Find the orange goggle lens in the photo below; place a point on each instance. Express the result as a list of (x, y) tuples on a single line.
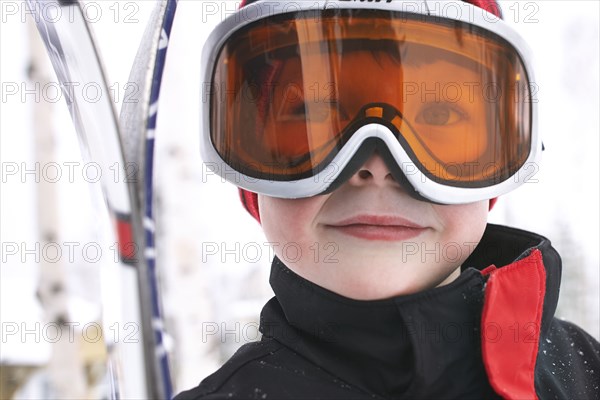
[(288, 91)]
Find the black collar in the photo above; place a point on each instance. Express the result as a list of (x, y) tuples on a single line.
[(408, 346)]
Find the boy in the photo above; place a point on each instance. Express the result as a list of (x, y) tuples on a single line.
[(377, 136)]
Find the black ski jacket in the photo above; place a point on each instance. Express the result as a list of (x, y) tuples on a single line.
[(489, 334)]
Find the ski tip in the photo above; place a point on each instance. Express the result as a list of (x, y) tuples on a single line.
[(67, 2)]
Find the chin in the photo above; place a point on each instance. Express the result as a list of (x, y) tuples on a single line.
[(380, 286)]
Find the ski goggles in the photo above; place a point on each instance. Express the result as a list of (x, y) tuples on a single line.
[(298, 95)]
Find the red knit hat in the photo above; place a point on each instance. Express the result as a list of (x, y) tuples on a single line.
[(250, 199)]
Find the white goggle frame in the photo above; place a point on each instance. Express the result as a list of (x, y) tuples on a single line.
[(423, 186)]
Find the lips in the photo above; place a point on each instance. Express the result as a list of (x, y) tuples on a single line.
[(379, 227)]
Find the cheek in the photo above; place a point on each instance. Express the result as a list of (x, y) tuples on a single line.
[(288, 220), (463, 224)]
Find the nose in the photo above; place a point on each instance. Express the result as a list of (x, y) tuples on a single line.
[(373, 172)]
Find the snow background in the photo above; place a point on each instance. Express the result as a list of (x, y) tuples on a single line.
[(211, 301)]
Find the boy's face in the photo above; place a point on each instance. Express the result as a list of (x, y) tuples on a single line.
[(369, 239)]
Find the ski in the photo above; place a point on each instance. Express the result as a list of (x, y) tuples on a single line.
[(139, 370), (138, 120)]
